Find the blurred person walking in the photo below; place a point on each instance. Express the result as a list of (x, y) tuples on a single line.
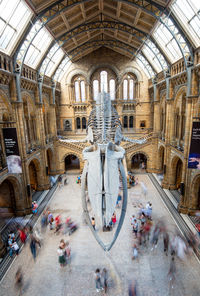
[(97, 277), (19, 281), (166, 242), (104, 276), (172, 272)]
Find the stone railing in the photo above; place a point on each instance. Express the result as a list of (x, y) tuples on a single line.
[(178, 67), (5, 62)]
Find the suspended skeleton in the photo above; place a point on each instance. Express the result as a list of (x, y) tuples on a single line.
[(104, 164)]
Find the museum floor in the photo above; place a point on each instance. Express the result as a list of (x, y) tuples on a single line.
[(45, 276)]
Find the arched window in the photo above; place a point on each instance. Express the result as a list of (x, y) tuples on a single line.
[(83, 91), (95, 89), (83, 123), (78, 123), (112, 89), (77, 92), (125, 121), (131, 89), (104, 81), (125, 89), (131, 122)]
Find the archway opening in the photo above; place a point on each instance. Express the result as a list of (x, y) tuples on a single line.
[(178, 176), (139, 162), (33, 176), (72, 163), (7, 200)]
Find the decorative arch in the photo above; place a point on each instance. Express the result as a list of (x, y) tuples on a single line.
[(96, 67), (70, 153), (133, 71), (179, 91), (74, 73), (132, 155)]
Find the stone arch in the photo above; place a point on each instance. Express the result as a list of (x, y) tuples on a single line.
[(179, 91), (139, 160), (10, 193), (176, 172), (133, 71), (96, 67), (69, 163), (195, 193), (74, 73)]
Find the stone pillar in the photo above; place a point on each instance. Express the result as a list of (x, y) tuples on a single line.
[(185, 200), (23, 206), (167, 157), (43, 179)]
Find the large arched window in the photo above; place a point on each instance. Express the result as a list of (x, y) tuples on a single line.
[(95, 89), (104, 81), (131, 122), (83, 123), (77, 92), (130, 87), (78, 123), (125, 122), (112, 89), (125, 89), (83, 91)]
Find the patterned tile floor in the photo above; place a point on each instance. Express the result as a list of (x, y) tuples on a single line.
[(45, 277)]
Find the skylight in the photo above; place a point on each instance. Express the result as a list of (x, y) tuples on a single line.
[(61, 70), (14, 16), (53, 60), (188, 14), (39, 45)]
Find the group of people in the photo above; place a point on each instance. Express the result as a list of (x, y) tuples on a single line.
[(13, 246), (101, 279), (57, 223), (148, 233)]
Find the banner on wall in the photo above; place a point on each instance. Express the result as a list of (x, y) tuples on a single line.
[(12, 150), (194, 154)]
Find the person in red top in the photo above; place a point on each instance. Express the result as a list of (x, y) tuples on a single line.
[(58, 223), (22, 235), (114, 219)]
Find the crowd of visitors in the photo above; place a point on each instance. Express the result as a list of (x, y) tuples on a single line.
[(147, 233)]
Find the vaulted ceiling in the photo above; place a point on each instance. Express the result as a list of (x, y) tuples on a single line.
[(84, 26)]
